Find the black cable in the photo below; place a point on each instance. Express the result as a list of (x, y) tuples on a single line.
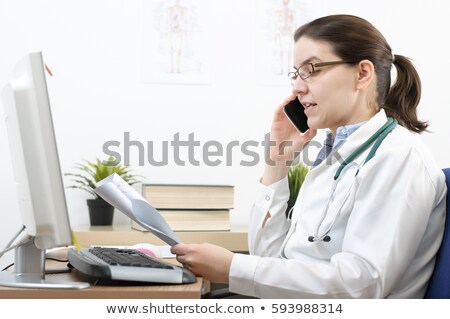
[(58, 260), (7, 267), (49, 258)]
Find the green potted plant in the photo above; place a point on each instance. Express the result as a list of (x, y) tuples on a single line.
[(296, 176), (90, 172)]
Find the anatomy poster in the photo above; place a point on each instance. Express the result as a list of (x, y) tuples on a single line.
[(175, 48), (277, 21)]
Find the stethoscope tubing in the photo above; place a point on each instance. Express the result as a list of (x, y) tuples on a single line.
[(378, 137)]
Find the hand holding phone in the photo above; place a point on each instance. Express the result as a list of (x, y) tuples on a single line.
[(295, 112)]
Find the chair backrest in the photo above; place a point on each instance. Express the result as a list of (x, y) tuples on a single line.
[(439, 286)]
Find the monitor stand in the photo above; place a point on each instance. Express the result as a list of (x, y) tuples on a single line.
[(29, 271)]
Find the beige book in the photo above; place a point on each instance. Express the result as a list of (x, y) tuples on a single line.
[(194, 220), (172, 196)]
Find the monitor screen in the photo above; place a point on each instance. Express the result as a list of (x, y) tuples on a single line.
[(37, 173)]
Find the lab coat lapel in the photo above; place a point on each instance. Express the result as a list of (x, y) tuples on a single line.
[(355, 140)]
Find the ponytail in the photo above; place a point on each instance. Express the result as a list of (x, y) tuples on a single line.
[(404, 96)]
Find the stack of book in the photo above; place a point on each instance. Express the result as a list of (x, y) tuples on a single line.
[(191, 207)]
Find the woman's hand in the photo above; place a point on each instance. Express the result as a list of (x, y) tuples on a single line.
[(209, 261), (286, 142)]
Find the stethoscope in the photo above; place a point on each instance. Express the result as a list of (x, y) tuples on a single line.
[(378, 137)]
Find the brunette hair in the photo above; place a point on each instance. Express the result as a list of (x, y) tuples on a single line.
[(355, 39)]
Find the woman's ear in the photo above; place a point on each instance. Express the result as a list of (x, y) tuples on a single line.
[(366, 72)]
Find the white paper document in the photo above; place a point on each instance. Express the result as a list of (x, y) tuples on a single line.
[(125, 198)]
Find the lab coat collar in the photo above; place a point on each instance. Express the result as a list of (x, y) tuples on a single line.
[(356, 139)]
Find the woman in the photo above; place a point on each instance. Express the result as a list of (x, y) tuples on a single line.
[(369, 228)]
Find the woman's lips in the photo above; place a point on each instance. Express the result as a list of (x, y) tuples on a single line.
[(309, 107)]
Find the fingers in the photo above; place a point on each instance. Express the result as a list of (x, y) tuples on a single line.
[(287, 100), (182, 254), (178, 249), (280, 108), (182, 260), (209, 261)]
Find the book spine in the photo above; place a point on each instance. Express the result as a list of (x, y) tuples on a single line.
[(189, 196)]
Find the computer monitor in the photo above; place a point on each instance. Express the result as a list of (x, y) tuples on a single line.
[(37, 172)]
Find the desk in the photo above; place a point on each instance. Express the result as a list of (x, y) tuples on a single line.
[(107, 290), (235, 240)]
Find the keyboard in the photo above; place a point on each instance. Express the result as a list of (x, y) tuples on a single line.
[(127, 264)]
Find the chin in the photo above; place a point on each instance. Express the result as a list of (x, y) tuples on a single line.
[(314, 124)]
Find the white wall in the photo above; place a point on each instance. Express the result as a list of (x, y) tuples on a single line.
[(95, 51)]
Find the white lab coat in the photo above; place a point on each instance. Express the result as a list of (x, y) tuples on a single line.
[(383, 241)]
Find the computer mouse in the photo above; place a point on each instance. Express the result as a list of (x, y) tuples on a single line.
[(147, 249)]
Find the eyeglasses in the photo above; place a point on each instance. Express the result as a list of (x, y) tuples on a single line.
[(308, 69)]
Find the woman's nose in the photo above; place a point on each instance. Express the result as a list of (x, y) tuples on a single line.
[(299, 87)]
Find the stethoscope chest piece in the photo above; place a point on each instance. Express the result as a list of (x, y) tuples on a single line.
[(312, 239)]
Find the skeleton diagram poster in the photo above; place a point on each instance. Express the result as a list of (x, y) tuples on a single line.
[(175, 45), (276, 22)]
